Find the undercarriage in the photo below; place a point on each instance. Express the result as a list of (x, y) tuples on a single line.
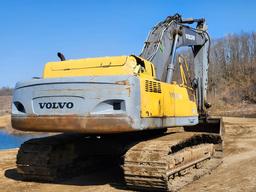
[(153, 160)]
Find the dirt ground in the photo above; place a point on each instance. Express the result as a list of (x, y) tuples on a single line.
[(5, 121), (237, 172)]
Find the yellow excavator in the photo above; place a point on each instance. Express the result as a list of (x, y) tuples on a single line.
[(124, 109)]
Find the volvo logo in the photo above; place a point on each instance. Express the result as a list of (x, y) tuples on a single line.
[(56, 105)]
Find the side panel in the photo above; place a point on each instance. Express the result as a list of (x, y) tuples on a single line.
[(160, 99), (152, 101), (165, 105), (180, 105)]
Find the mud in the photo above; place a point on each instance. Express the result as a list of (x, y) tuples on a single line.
[(237, 172)]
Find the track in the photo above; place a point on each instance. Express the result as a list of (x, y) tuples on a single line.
[(66, 155), (170, 162), (62, 156)]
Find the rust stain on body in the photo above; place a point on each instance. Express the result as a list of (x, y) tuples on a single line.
[(100, 124), (126, 82)]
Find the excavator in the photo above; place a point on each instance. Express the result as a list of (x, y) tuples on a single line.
[(124, 109)]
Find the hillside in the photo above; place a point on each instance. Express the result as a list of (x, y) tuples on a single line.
[(232, 79)]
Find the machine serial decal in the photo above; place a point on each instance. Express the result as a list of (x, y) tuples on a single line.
[(190, 37)]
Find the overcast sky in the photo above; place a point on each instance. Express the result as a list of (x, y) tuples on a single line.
[(33, 31)]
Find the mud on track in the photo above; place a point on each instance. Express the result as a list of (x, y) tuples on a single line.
[(237, 173)]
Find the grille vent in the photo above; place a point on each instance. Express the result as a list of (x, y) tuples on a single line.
[(152, 86)]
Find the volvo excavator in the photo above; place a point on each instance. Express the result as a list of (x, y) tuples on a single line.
[(124, 109)]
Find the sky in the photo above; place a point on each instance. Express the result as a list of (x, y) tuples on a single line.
[(33, 31)]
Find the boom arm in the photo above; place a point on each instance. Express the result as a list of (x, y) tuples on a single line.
[(163, 41)]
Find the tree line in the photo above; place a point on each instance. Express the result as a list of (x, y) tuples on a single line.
[(232, 68)]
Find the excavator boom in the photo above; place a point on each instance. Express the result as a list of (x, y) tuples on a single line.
[(169, 35)]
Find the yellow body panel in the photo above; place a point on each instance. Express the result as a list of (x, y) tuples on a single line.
[(101, 66), (159, 99)]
